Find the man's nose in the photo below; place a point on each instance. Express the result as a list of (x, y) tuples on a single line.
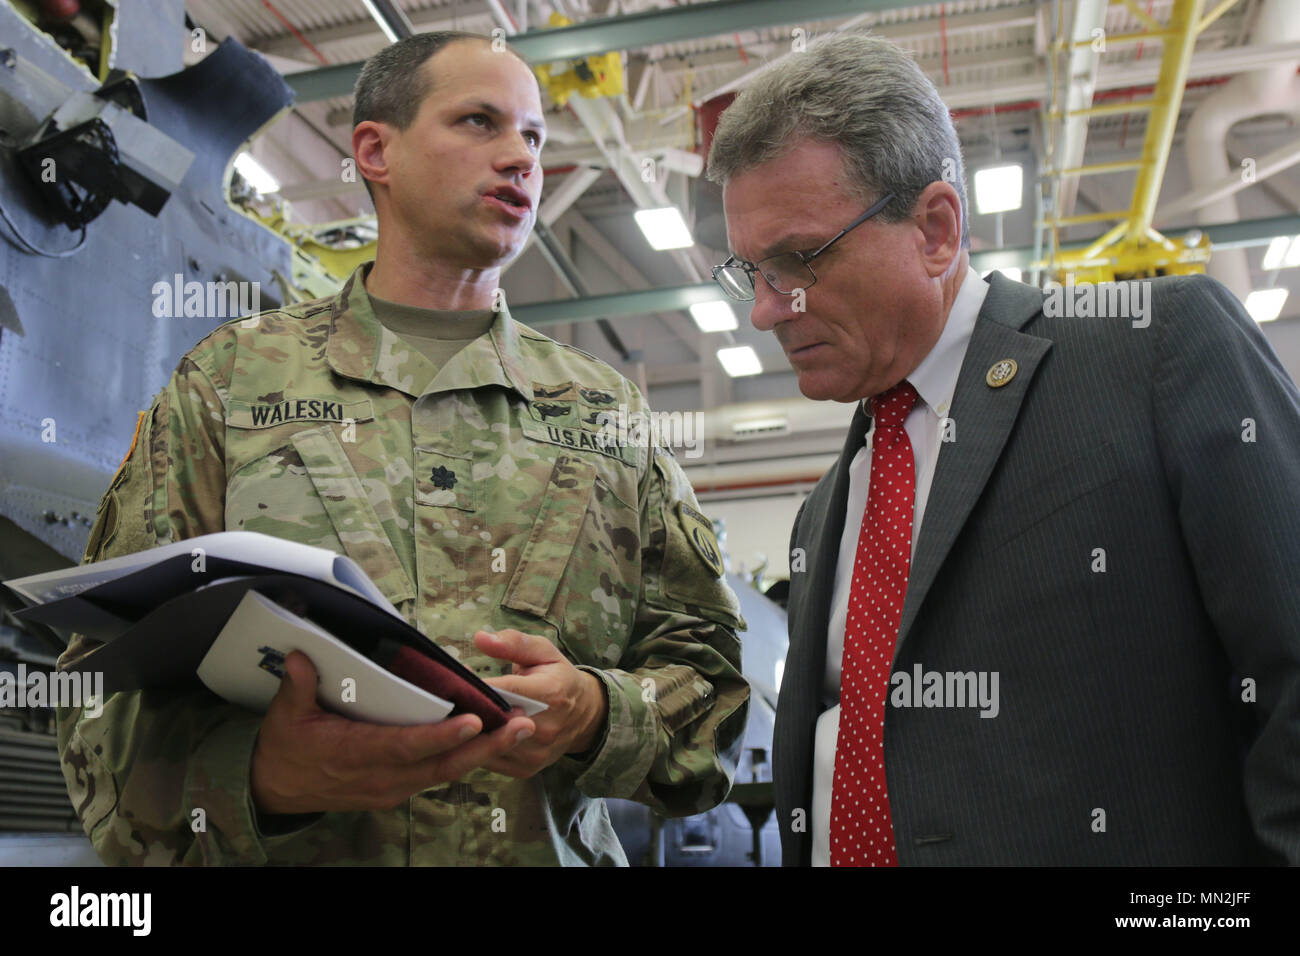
[(517, 156), (771, 308)]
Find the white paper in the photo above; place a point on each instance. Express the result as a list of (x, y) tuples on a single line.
[(276, 555), (350, 683)]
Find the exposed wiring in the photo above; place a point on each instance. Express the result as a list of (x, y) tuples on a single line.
[(34, 249)]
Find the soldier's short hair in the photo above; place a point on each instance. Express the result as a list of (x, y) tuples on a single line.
[(865, 95), (393, 83)]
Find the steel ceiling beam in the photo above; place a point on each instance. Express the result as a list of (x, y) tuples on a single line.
[(641, 302), (1228, 235), (630, 31)]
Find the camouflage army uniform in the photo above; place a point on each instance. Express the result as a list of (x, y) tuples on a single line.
[(477, 498)]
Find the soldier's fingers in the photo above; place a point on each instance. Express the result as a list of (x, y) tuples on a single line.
[(454, 764), (404, 746), (511, 645), (512, 684), (298, 686)]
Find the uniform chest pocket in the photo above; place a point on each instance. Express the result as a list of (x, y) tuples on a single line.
[(307, 491), (581, 565)]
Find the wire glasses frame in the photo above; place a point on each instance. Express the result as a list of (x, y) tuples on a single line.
[(737, 276)]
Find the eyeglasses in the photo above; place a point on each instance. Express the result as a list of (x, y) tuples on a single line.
[(785, 272)]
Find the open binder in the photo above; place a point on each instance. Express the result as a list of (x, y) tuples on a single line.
[(227, 608)]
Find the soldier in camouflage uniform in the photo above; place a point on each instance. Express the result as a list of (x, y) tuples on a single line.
[(486, 502)]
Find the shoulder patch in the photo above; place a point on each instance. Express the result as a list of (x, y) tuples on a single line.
[(699, 532), (135, 439)]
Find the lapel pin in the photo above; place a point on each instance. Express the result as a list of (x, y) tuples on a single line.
[(1001, 373)]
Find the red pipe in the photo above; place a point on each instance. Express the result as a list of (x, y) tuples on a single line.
[(294, 30), (1103, 95), (1001, 108)]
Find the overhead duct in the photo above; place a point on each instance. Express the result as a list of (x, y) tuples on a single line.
[(1274, 89)]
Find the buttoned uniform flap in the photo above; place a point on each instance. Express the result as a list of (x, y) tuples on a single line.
[(580, 567), (618, 460), (308, 491), (1061, 486), (445, 481), (691, 575)]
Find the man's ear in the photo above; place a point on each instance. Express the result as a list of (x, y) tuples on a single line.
[(938, 215), (370, 142)]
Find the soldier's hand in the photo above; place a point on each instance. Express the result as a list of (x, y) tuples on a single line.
[(308, 760), (575, 700)]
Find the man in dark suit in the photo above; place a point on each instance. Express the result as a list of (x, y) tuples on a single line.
[(1043, 609)]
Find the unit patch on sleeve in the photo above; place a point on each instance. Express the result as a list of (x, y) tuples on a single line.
[(699, 532)]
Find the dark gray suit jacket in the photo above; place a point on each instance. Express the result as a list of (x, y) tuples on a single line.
[(1121, 690)]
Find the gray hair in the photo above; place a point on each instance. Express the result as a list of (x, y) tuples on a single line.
[(868, 97)]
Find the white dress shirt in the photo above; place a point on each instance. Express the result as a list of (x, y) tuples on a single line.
[(935, 380)]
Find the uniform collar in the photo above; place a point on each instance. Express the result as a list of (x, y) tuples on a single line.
[(359, 347)]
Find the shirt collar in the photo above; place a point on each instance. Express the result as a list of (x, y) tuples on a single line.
[(359, 347), (935, 379)]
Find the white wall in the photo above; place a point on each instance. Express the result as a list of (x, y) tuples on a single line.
[(758, 526)]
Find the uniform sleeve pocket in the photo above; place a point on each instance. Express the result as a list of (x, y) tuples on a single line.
[(691, 571), (91, 787)]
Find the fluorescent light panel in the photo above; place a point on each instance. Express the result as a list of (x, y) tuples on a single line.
[(664, 228), (255, 174), (1265, 305), (714, 316), (381, 20), (1276, 253), (1283, 253), (740, 360), (1292, 257), (999, 188)]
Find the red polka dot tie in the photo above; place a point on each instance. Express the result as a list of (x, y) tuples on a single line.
[(862, 833)]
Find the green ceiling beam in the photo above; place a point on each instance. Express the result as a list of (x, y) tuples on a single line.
[(1230, 235), (642, 302), (629, 32)]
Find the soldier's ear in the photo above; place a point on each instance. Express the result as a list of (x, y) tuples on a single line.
[(371, 145)]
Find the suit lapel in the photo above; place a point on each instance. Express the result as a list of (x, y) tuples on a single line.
[(983, 417)]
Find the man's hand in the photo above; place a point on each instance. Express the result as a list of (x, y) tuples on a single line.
[(308, 761), (575, 700)]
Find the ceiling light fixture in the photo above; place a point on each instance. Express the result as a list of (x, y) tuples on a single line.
[(740, 360), (255, 174), (999, 188), (714, 316), (664, 228), (1265, 305)]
